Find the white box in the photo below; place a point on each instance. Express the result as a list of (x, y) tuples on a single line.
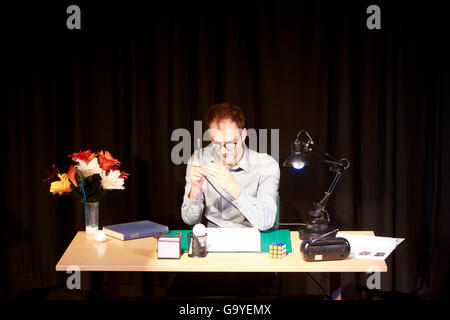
[(169, 247)]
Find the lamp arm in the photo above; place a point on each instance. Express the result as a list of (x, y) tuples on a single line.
[(323, 202), (336, 166)]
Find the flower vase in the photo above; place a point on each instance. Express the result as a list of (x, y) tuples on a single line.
[(91, 217)]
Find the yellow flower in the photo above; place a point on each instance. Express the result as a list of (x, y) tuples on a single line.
[(61, 186)]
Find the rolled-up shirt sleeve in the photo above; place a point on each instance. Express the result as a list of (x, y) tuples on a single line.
[(191, 210), (261, 210)]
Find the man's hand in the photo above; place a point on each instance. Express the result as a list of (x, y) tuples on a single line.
[(197, 177), (222, 176)]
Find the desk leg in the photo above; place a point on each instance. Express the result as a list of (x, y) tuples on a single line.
[(114, 285), (276, 288), (94, 280), (104, 285), (335, 285)]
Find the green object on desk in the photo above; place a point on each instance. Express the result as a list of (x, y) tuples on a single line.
[(278, 236), (267, 238), (184, 238)]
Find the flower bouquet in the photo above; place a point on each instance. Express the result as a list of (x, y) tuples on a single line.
[(89, 179)]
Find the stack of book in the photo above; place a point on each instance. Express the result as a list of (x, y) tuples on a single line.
[(135, 230)]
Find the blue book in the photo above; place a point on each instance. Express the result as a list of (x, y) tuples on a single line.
[(135, 230)]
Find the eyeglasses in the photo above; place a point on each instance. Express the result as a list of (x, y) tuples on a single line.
[(230, 146)]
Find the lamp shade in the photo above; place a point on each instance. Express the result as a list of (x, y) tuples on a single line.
[(296, 159)]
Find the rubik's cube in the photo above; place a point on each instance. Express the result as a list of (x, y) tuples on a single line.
[(277, 250)]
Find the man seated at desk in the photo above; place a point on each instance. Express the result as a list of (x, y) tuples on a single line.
[(233, 186)]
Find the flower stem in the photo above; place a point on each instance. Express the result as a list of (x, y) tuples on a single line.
[(85, 203)]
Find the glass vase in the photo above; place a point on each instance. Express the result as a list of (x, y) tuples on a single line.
[(91, 217)]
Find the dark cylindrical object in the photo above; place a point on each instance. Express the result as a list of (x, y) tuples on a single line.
[(326, 249)]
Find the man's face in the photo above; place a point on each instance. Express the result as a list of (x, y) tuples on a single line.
[(227, 132)]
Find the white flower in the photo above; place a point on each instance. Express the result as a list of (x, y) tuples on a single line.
[(112, 180), (89, 169)]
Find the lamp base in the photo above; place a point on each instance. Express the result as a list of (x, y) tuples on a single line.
[(312, 233)]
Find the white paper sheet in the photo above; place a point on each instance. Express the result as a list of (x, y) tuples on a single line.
[(370, 247), (233, 240)]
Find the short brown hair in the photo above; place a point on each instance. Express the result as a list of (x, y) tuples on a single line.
[(224, 111)]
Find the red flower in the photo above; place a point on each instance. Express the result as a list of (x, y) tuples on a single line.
[(106, 161), (71, 174), (85, 156), (52, 176), (124, 174)]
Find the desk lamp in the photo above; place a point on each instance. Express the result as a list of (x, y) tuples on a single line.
[(319, 225)]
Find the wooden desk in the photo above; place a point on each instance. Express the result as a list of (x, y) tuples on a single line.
[(140, 255)]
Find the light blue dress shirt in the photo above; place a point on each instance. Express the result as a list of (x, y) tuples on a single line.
[(259, 176)]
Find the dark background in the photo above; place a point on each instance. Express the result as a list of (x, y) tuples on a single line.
[(136, 71)]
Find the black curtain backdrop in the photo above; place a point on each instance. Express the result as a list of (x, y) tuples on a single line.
[(137, 71)]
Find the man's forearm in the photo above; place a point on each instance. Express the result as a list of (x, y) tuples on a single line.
[(194, 193), (234, 189), (260, 213), (191, 210)]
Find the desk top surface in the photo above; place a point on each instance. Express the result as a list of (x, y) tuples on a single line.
[(140, 255)]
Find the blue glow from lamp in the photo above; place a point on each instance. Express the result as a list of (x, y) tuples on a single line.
[(298, 166)]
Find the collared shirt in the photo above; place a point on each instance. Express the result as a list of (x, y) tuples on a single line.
[(259, 176)]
